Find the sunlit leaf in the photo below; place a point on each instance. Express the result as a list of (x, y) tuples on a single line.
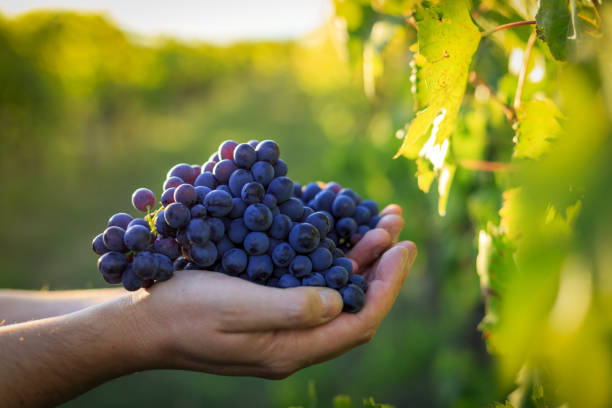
[(554, 24), (538, 125)]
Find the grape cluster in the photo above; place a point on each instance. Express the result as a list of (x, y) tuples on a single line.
[(240, 214)]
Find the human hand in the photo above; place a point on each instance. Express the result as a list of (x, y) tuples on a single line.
[(219, 324)]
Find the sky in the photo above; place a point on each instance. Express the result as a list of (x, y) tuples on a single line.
[(207, 20)]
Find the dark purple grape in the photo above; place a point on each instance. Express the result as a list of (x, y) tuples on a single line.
[(208, 166), (353, 298), (288, 281), (140, 221), (307, 213), (144, 265), (217, 229), (130, 281), (275, 211), (224, 187), (281, 188), (374, 221), (293, 208), (343, 206), (237, 181), (257, 217), (98, 246), (223, 246), (163, 266), (268, 151), (177, 215), (143, 199), (226, 150), (323, 200), (300, 266), (278, 272), (297, 190), (328, 244), (214, 157), (350, 193), (259, 268), (113, 239), (206, 179), (137, 238), (198, 231), (362, 215), (183, 171), (310, 191), (314, 279), (196, 171), (370, 205), (346, 227), (203, 255), (161, 226), (280, 168), (198, 211), (167, 197), (173, 182), (237, 231), (333, 187), (253, 143), (321, 259), (218, 203), (185, 194), (362, 230), (281, 225), (263, 172), (338, 253), (167, 246), (359, 281), (121, 220), (223, 170), (201, 193), (180, 263), (244, 155), (345, 263), (235, 261), (282, 255), (269, 201), (256, 243), (238, 207), (304, 237), (112, 265), (321, 222), (336, 277), (252, 193)]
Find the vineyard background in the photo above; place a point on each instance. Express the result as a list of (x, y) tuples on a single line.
[(511, 292)]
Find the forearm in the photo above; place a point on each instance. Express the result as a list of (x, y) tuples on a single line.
[(46, 362), (23, 305)]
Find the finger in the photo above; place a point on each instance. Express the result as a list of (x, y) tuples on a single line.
[(393, 224), (373, 243), (391, 209), (349, 330), (260, 308)]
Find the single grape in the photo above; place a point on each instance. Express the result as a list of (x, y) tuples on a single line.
[(98, 245), (113, 239), (206, 179), (359, 281), (268, 151), (163, 266), (281, 225), (310, 191), (281, 188), (130, 281), (180, 263), (224, 187), (183, 171), (304, 237), (374, 221), (314, 279), (137, 238), (300, 266), (328, 244), (307, 213), (218, 203), (173, 182), (140, 221), (323, 200), (253, 143), (321, 222), (238, 180), (362, 230), (346, 263), (345, 227), (353, 298), (162, 226), (371, 205), (350, 193), (226, 150), (338, 253), (297, 190), (238, 207), (223, 170), (293, 208), (259, 268), (167, 197), (201, 193), (362, 214), (257, 217), (252, 193), (223, 246), (237, 231), (244, 155), (336, 277), (263, 172), (333, 187), (321, 259), (185, 194), (177, 215), (198, 231), (256, 243), (235, 261), (198, 211), (112, 265), (144, 265), (282, 255), (196, 171), (280, 168), (167, 246), (203, 255), (269, 201), (121, 220), (208, 167), (343, 206), (214, 157), (288, 281)]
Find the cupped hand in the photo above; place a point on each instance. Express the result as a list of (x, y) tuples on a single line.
[(210, 322)]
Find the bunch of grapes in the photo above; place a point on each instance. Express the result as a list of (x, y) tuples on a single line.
[(240, 214)]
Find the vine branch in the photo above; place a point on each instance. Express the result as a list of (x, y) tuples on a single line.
[(523, 74), (506, 26), (483, 165)]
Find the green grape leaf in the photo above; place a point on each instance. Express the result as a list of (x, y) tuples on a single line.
[(394, 7), (370, 403), (538, 125), (343, 401), (554, 25), (447, 41)]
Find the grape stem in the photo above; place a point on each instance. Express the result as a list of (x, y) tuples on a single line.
[(506, 26), (483, 165), (523, 74)]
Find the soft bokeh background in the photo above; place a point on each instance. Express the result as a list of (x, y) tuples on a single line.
[(89, 112)]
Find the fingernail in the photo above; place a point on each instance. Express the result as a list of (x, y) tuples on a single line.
[(332, 302)]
